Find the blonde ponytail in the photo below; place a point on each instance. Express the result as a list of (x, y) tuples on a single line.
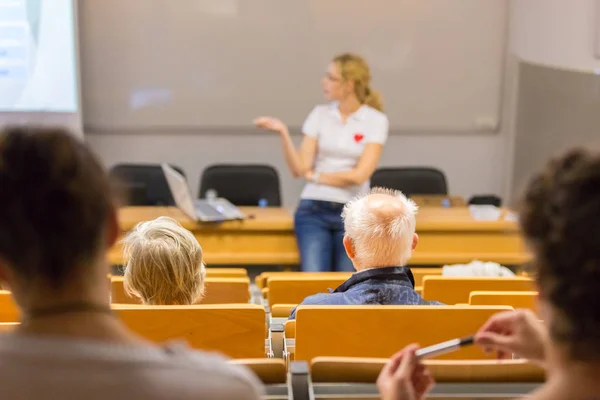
[(355, 69), (373, 99)]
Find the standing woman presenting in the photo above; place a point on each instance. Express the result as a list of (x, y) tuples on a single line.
[(341, 148)]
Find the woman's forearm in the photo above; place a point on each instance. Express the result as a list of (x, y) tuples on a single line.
[(341, 179), (292, 156)]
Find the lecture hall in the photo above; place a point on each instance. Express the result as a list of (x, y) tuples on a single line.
[(332, 199)]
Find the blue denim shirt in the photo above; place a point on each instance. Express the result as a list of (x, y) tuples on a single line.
[(386, 286)]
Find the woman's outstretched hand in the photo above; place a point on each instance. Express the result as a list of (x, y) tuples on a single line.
[(270, 123), (404, 378)]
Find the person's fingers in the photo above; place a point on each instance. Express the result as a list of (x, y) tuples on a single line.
[(423, 383), (408, 362), (493, 340), (419, 383), (430, 383), (498, 322), (392, 365)]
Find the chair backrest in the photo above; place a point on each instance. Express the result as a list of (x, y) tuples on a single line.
[(236, 330), (411, 180), (242, 185), (294, 289), (420, 273), (144, 178), (217, 291), (381, 331), (290, 329), (9, 312), (282, 310), (268, 370), (263, 279), (454, 290), (489, 199), (513, 299), (213, 272), (366, 370)]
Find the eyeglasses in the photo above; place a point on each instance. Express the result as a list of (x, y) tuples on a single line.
[(332, 78)]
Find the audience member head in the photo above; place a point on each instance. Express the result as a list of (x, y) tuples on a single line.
[(349, 75), (57, 217), (163, 263), (380, 229), (560, 219)]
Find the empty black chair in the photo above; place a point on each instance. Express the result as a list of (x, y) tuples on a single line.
[(242, 185), (411, 181), (144, 184), (490, 199)]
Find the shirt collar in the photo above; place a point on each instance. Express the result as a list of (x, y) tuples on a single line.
[(357, 115), (388, 273)]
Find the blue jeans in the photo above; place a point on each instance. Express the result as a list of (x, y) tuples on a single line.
[(319, 234)]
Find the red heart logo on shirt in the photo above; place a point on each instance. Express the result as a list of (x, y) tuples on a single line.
[(358, 137)]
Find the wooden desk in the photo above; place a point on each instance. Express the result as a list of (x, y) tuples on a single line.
[(265, 237), (447, 236)]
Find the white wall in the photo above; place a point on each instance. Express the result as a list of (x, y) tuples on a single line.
[(557, 33), (473, 163), (553, 32)]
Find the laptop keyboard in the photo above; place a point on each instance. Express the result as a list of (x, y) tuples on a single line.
[(207, 210)]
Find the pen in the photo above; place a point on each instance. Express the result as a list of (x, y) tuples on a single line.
[(444, 347)]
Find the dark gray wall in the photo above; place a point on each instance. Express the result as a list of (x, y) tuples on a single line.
[(557, 110)]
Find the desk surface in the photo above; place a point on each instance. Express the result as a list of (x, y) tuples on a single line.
[(281, 219), (447, 236)]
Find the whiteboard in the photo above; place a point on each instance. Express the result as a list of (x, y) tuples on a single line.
[(210, 64)]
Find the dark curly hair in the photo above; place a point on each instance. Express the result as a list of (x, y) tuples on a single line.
[(560, 219), (55, 201)]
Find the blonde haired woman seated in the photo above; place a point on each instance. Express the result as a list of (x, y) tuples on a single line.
[(163, 264)]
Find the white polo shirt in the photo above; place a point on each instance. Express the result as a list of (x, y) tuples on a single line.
[(340, 146)]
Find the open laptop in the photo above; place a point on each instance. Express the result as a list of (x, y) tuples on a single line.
[(205, 210)]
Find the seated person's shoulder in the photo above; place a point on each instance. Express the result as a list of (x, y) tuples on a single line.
[(321, 299), (210, 373)]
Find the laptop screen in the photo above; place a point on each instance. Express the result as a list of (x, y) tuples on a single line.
[(180, 191)]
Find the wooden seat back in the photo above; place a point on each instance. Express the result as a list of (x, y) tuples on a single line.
[(381, 331), (290, 329), (217, 291), (214, 272), (454, 290), (269, 370), (282, 310), (366, 370), (420, 273), (513, 299), (262, 280), (9, 312), (236, 330), (292, 290)]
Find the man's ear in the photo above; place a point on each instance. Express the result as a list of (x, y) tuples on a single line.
[(415, 241), (349, 246)]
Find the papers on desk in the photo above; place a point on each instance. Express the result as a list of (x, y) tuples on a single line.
[(491, 213), (511, 216), (485, 212)]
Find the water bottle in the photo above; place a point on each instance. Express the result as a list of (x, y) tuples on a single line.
[(211, 194), (262, 203)]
